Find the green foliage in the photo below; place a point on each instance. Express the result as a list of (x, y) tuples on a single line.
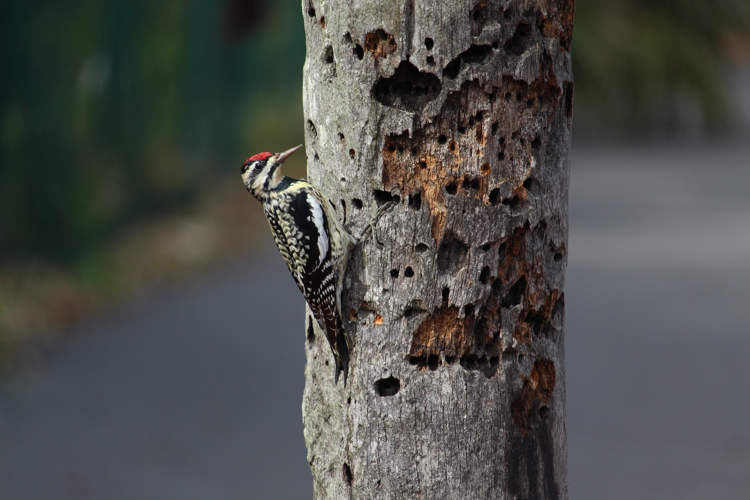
[(112, 111), (648, 67)]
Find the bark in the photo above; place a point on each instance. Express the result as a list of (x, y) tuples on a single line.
[(460, 112)]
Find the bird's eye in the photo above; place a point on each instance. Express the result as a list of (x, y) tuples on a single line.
[(244, 168)]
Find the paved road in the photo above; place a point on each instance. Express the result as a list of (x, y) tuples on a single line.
[(194, 391)]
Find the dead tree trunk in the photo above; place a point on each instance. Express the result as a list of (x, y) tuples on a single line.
[(460, 111)]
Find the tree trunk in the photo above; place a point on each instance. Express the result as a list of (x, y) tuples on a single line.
[(461, 112)]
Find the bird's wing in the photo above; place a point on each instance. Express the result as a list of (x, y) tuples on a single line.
[(308, 247)]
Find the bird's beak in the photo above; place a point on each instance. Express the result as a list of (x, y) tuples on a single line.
[(286, 154)]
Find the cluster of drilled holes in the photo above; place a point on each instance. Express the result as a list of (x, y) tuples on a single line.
[(432, 361), (486, 364), (383, 197), (514, 202)]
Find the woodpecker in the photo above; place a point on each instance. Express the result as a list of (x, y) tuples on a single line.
[(312, 241)]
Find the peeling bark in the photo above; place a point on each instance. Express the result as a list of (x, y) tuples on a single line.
[(460, 112)]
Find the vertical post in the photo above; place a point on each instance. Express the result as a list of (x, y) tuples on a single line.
[(461, 112)]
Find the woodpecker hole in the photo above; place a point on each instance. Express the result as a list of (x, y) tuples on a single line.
[(430, 61), (347, 474), (451, 188), (451, 253), (513, 298), (341, 137), (394, 273), (421, 247), (387, 386), (408, 89), (531, 185), (415, 201), (351, 154), (486, 246), (495, 196), (409, 272), (311, 11), (484, 276), (442, 139), (469, 310), (544, 412), (428, 43), (433, 361), (471, 183), (357, 203), (520, 41), (514, 202), (383, 197), (311, 128), (475, 54), (446, 294), (412, 311), (358, 51)]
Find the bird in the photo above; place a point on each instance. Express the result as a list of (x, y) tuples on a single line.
[(312, 241)]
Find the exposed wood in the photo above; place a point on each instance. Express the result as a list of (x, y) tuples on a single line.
[(460, 111)]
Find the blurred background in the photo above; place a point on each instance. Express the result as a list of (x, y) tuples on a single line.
[(130, 256)]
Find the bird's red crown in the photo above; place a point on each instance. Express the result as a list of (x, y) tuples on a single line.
[(259, 156)]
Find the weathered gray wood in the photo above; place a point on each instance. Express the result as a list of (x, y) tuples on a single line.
[(460, 111)]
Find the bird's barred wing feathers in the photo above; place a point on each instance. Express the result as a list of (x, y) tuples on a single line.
[(303, 232)]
